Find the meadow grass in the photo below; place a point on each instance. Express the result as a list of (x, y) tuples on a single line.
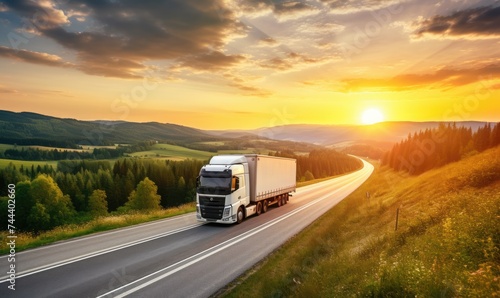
[(4, 147), (250, 150), (447, 242), (26, 163), (173, 152), (26, 240)]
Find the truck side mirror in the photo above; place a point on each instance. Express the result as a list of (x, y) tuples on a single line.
[(197, 181)]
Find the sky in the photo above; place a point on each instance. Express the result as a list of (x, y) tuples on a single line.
[(243, 64)]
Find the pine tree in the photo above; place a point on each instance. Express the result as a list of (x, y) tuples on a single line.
[(482, 138), (495, 135)]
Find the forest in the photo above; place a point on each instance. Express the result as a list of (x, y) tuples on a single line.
[(76, 189), (433, 148)]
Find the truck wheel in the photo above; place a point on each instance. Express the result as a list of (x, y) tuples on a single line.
[(286, 199), (258, 208), (264, 206), (240, 215), (280, 201)]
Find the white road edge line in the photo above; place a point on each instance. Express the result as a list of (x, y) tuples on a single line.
[(213, 250), (102, 234), (97, 253)]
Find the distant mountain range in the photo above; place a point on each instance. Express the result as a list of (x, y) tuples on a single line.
[(330, 135), (34, 129)]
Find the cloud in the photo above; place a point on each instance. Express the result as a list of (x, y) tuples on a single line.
[(268, 42), (6, 90), (129, 33), (212, 61), (321, 28), (291, 61), (444, 78), (43, 14), (354, 6), (242, 83), (283, 10), (3, 7), (473, 23), (251, 90), (111, 67), (293, 10), (33, 57)]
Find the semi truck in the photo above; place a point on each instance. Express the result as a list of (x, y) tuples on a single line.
[(233, 187)]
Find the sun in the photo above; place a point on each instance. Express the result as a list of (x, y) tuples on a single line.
[(372, 116)]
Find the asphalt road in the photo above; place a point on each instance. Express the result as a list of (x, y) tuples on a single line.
[(177, 257)]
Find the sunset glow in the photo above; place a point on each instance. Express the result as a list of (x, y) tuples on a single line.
[(218, 64)]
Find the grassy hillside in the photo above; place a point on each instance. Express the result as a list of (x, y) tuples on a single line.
[(447, 243)]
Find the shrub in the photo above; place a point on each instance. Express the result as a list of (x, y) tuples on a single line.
[(98, 206), (145, 196)]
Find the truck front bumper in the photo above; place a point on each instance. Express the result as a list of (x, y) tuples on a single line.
[(227, 216)]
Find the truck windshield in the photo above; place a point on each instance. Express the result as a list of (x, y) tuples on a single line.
[(214, 185)]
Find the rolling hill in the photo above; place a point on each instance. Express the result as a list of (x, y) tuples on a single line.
[(35, 129)]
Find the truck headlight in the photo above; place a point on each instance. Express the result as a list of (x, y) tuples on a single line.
[(227, 211)]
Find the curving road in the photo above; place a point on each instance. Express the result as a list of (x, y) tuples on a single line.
[(176, 257)]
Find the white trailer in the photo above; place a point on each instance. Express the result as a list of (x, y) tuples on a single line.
[(233, 187)]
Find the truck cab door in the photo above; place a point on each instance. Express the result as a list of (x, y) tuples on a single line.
[(238, 189)]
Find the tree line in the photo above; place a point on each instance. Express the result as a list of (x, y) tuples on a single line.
[(48, 197), (36, 154), (79, 189), (321, 163), (433, 148)]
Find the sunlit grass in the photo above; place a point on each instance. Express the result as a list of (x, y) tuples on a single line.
[(447, 242), (173, 152)]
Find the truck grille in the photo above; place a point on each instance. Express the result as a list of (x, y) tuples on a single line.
[(211, 207), (212, 201)]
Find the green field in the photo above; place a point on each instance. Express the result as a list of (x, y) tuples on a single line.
[(447, 241), (26, 163), (158, 151), (245, 151), (85, 148), (4, 147), (213, 143), (173, 152)]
